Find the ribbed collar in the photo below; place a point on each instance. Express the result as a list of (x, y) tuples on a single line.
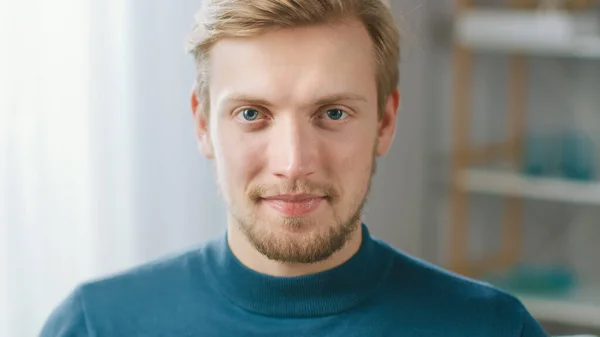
[(326, 293)]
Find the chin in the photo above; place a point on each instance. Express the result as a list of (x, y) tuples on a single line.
[(303, 225), (307, 239), (301, 229)]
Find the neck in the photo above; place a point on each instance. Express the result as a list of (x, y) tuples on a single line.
[(253, 259)]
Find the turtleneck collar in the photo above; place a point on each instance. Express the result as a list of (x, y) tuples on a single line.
[(325, 293)]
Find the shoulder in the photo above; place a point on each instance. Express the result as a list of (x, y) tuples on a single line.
[(68, 319), (141, 291), (422, 275), (449, 297), (165, 268), (175, 272)]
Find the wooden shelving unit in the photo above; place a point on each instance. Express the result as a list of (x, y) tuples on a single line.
[(511, 186), (465, 155)]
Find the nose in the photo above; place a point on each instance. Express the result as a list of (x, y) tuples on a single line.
[(294, 148)]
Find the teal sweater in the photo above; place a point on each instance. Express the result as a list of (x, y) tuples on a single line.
[(208, 292)]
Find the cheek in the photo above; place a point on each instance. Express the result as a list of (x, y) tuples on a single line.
[(237, 156), (351, 161)]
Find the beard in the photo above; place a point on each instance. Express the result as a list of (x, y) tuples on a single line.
[(278, 240)]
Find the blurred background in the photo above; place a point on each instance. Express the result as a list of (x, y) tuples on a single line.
[(494, 173)]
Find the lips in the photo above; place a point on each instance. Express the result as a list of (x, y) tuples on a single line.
[(294, 205)]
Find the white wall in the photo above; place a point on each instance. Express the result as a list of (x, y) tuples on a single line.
[(177, 202)]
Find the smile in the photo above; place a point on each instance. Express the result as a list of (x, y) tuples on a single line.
[(298, 205)]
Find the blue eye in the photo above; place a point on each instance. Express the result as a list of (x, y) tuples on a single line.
[(335, 114), (250, 114)]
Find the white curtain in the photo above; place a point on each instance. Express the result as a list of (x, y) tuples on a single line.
[(98, 165), (46, 160)]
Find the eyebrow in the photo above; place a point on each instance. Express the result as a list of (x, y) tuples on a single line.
[(329, 99), (324, 100)]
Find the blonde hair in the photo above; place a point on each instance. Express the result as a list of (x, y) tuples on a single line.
[(219, 19)]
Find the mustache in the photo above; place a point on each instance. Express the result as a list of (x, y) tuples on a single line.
[(258, 192)]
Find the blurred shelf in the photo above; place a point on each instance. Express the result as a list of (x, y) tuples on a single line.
[(581, 308), (507, 183), (548, 33)]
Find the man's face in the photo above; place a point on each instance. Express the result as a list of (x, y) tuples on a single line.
[(294, 132)]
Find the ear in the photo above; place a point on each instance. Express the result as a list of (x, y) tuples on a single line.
[(387, 124), (201, 126)]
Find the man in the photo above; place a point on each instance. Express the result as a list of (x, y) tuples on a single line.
[(294, 101)]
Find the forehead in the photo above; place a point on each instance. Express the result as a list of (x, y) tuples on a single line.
[(295, 64)]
